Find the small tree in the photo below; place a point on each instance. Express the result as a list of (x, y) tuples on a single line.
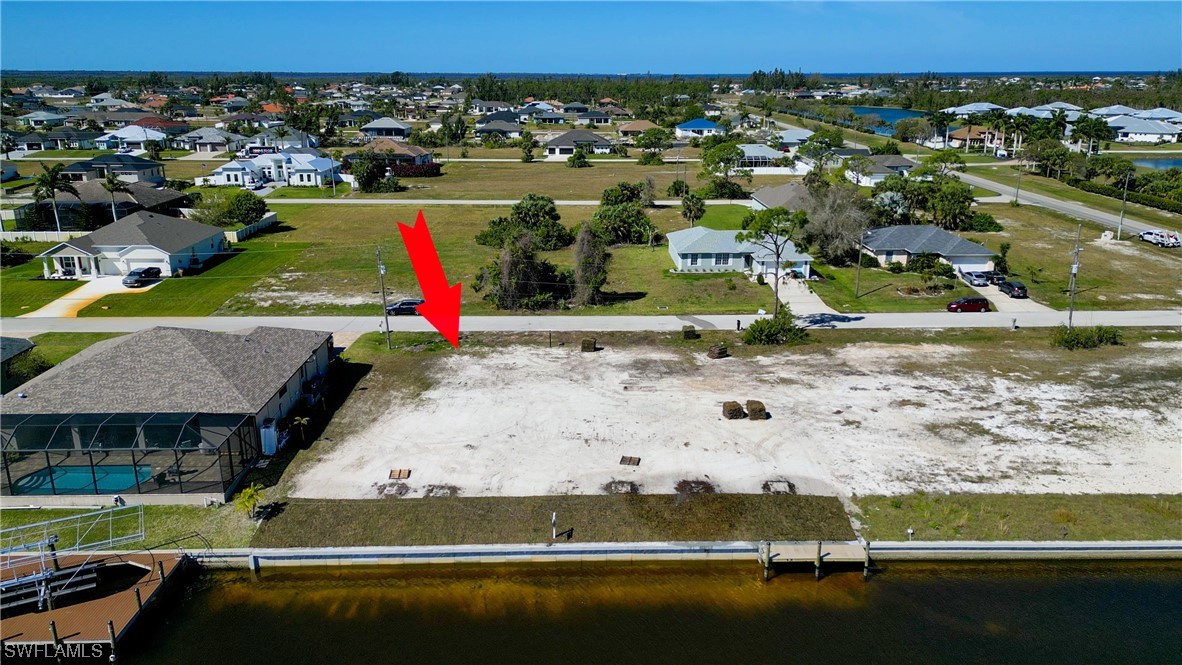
[(693, 208), (113, 184), (773, 230), (1034, 272), (152, 149), (578, 160), (591, 259), (1000, 263), (249, 499), (624, 223), (678, 188), (779, 329), (48, 183)]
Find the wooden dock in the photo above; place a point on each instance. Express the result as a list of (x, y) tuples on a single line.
[(816, 552), (103, 620)]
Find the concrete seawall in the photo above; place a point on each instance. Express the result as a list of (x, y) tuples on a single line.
[(259, 558)]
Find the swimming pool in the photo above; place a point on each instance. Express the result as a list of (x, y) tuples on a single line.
[(78, 479)]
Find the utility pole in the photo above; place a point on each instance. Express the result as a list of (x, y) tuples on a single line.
[(382, 286), (1018, 189), (1123, 199), (1074, 272)]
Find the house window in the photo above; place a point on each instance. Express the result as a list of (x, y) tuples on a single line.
[(722, 259), (693, 259), (68, 262)]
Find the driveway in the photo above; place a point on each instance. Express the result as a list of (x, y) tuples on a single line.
[(1003, 303), (70, 304), (802, 301)]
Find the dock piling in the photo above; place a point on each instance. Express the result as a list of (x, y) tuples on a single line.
[(818, 564), (139, 602), (111, 638), (866, 563), (56, 641)]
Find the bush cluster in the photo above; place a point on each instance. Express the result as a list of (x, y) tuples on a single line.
[(1135, 197), (1086, 338), (779, 329)]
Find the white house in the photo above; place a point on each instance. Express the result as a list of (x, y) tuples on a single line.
[(699, 128), (480, 106), (701, 249), (1139, 130), (292, 138), (291, 167), (756, 155), (793, 138), (40, 119), (131, 136), (140, 240), (386, 127), (209, 139), (879, 168)]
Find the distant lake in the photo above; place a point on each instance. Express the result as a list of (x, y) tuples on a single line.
[(1171, 163), (888, 114)]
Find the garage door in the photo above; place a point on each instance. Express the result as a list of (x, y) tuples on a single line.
[(132, 264), (970, 265)]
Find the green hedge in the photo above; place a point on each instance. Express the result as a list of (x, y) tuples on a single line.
[(1136, 197)]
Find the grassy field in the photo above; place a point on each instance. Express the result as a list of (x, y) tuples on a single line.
[(84, 154), (610, 518), (203, 294), (220, 525), (16, 184), (1022, 517), (173, 153), (511, 180), (57, 347), (879, 291), (21, 293), (1052, 187), (343, 191), (334, 271), (186, 169), (1143, 147)]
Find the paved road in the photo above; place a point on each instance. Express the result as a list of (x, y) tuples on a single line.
[(478, 202), (1132, 226), (562, 158), (561, 323)]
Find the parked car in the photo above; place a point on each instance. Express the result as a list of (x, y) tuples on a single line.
[(404, 306), (1013, 289), (994, 277), (969, 305), (1161, 238), (141, 276), (975, 279)]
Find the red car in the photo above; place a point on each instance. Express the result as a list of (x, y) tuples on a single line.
[(969, 305)]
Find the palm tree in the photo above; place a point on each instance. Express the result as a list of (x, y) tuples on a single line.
[(941, 121), (47, 185), (281, 132), (113, 184)]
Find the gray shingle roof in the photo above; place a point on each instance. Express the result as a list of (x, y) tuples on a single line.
[(169, 234), (792, 195), (498, 126), (10, 347), (703, 240), (171, 370), (922, 239), (578, 137), (92, 191), (386, 123)]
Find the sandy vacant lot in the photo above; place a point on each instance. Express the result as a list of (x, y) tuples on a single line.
[(860, 419)]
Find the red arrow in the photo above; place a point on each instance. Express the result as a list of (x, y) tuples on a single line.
[(442, 302)]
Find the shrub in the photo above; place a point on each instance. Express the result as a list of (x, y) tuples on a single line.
[(624, 223), (534, 214), (220, 208), (12, 255), (779, 329), (983, 222), (578, 160), (1135, 197), (760, 280), (677, 189), (720, 188), (869, 261), (1086, 338), (651, 159), (895, 267), (730, 284)]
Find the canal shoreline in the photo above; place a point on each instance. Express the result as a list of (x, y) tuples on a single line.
[(705, 551)]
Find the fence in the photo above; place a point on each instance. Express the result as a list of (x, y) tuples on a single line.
[(269, 219), (39, 236)]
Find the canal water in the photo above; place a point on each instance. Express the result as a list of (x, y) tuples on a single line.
[(998, 613), (888, 114), (1160, 163)]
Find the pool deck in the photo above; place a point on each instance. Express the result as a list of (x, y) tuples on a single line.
[(86, 623)]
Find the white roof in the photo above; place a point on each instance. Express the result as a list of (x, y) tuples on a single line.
[(1159, 113), (795, 134), (1114, 110), (759, 150), (1058, 106), (134, 133), (1129, 124), (975, 107)]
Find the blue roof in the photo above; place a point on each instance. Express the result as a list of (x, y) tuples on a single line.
[(699, 123)]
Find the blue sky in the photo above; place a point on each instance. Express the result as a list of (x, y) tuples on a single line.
[(617, 37)]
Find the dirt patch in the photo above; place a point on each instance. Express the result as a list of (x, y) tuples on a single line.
[(694, 487), (868, 418), (779, 487), (621, 487), (441, 491)]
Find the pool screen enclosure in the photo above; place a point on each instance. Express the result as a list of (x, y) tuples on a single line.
[(125, 453)]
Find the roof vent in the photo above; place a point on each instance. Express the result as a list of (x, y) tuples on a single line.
[(21, 395)]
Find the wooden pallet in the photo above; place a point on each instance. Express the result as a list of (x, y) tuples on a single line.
[(399, 474), (630, 461)]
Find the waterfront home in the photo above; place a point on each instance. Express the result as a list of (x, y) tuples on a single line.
[(1139, 130)]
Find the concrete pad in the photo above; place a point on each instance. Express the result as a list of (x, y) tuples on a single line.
[(86, 294), (800, 299), (1000, 302)]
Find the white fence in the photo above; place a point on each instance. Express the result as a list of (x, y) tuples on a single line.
[(40, 236), (269, 219)]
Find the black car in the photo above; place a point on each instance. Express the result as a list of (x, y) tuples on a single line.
[(1013, 289), (141, 276), (404, 306), (994, 277)]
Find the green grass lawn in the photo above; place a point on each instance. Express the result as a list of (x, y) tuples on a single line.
[(220, 525), (85, 154), (18, 183), (188, 169), (311, 192), (605, 518), (1022, 517), (1051, 187), (21, 292), (56, 347), (1127, 275), (1142, 147), (335, 274), (203, 294), (512, 180), (173, 153), (879, 291)]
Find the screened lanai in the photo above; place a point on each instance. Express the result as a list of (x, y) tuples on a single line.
[(112, 453)]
